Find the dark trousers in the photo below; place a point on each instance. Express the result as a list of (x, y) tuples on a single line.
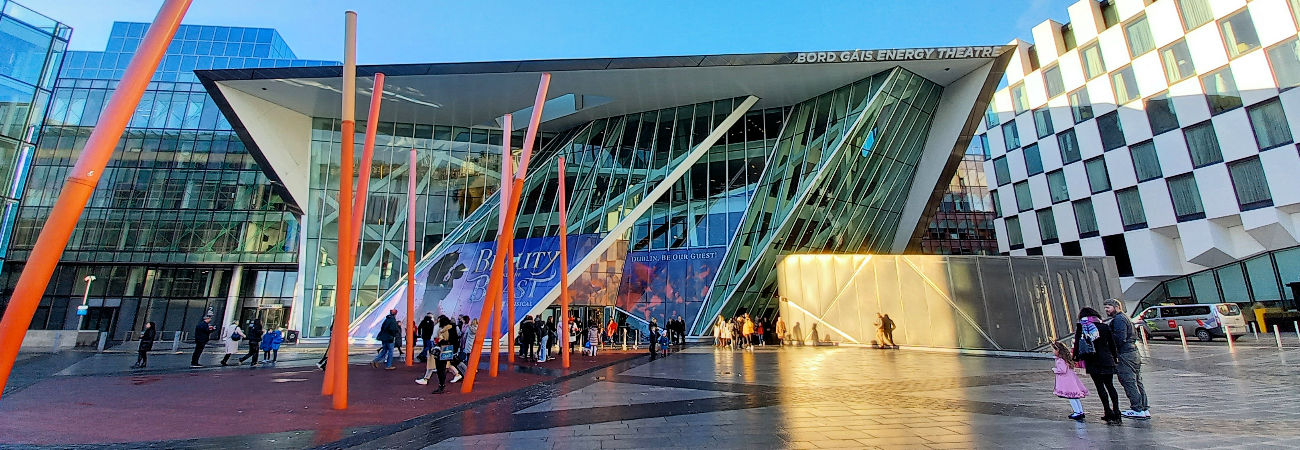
[(1106, 390), (441, 366), (198, 351), (526, 349), (653, 343), (252, 352), (143, 358)]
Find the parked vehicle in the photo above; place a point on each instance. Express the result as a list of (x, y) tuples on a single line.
[(1205, 322)]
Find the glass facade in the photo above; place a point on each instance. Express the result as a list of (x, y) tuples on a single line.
[(183, 219), (1260, 279), (963, 225), (31, 50)]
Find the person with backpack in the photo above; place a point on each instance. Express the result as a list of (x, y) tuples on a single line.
[(389, 331), (425, 328), (1095, 347), (254, 341), (230, 337), (447, 342), (147, 336)]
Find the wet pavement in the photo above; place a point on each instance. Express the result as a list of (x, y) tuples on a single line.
[(1207, 396)]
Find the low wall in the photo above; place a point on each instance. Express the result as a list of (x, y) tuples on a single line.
[(51, 341)]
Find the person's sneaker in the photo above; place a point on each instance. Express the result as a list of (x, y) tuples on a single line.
[(1132, 414), (421, 381), (390, 368), (440, 390), (1145, 415), (453, 380), (1077, 416), (196, 365)]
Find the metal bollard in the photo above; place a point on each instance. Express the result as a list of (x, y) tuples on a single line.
[(1254, 328), (624, 340), (176, 341), (103, 340), (1297, 329), (1228, 331), (1182, 335), (1277, 336), (1144, 339)]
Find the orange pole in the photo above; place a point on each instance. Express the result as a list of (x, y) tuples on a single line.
[(498, 266), (564, 271), (346, 249), (367, 158), (510, 279), (81, 183), (410, 260), (507, 180)]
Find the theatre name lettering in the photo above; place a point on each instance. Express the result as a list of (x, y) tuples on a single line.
[(896, 55)]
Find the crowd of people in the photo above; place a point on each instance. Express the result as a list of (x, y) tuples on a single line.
[(745, 332), (258, 341)]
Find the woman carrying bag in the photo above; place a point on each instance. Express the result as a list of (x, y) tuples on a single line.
[(230, 337), (147, 337)]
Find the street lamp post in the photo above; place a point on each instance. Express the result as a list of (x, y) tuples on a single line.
[(81, 310)]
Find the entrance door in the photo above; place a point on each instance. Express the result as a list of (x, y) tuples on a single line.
[(99, 318)]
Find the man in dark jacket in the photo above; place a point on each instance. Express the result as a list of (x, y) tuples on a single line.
[(388, 332), (201, 336), (1129, 367), (426, 334), (527, 336)]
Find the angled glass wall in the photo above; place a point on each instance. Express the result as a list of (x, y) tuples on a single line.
[(836, 182)]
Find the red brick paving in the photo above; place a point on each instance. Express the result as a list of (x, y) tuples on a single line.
[(235, 401)]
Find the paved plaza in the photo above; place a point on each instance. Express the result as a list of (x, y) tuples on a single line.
[(795, 397)]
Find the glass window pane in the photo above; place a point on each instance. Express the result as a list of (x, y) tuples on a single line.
[(1010, 135), (24, 50), (1145, 161), (1024, 200), (1160, 113), (1204, 289), (1014, 236), (1269, 122), (1043, 122), (1033, 161), (1080, 106), (1203, 144), (1018, 99), (1186, 197), (1001, 171), (1093, 65), (1057, 187), (1263, 280), (1125, 85), (1285, 59), (1130, 208), (1221, 91), (1098, 178), (1069, 145), (1085, 218), (1052, 78), (1177, 60), (1288, 268), (1239, 33), (1112, 134), (1195, 13), (1047, 226), (1250, 184), (990, 116), (1139, 37)]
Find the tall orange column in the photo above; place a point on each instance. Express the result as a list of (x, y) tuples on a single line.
[(564, 269), (346, 251), (81, 183), (367, 159), (498, 267), (493, 328), (410, 259)]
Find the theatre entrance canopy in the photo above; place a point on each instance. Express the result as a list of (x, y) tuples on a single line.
[(689, 176)]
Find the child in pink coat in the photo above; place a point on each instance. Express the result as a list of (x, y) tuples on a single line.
[(1068, 385)]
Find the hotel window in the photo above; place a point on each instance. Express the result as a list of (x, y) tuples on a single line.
[(1161, 114), (1203, 144), (1085, 217), (1080, 106), (1130, 209), (1024, 198), (1145, 162), (1093, 65), (1067, 36), (1057, 187), (1112, 134), (1269, 122), (1239, 33), (1250, 184), (1186, 197), (1098, 178), (1014, 236), (1125, 85), (1221, 91), (1195, 13), (1069, 144), (1001, 171), (1052, 78), (1178, 62), (991, 116), (1033, 160), (997, 202), (979, 145), (1109, 15), (984, 143), (1043, 122), (1010, 136), (1018, 99), (1285, 59), (1047, 226), (1295, 10), (1139, 37)]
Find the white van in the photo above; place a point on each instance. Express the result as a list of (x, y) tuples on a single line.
[(1205, 322)]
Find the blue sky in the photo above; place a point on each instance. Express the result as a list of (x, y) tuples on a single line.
[(401, 31)]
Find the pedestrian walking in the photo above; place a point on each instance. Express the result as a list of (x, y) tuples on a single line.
[(593, 338), (254, 341), (747, 332), (388, 332), (1129, 368), (271, 346), (546, 334), (467, 338), (574, 332), (426, 334), (1094, 346), (202, 333), (780, 331), (230, 336), (655, 333), (147, 336), (447, 342), (1068, 385), (717, 333), (885, 331)]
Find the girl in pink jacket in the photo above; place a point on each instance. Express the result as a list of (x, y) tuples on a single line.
[(1068, 385)]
